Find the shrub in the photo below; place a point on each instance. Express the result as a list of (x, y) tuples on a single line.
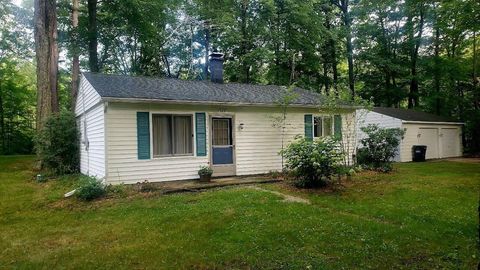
[(57, 144), (90, 189), (312, 163), (379, 147)]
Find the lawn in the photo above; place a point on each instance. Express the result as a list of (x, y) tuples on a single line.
[(422, 216)]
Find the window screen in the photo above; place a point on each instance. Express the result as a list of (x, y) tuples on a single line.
[(322, 126), (221, 132)]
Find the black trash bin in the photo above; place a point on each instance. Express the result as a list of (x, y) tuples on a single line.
[(419, 152)]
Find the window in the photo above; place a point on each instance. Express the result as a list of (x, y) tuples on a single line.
[(221, 131), (172, 135), (322, 126)]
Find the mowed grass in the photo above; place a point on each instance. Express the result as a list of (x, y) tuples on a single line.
[(422, 216)]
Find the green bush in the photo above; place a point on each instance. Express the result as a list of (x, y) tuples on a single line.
[(312, 163), (90, 189), (379, 147), (57, 144)]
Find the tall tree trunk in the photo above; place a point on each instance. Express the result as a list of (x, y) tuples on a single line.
[(326, 79), (415, 42), (92, 36), (334, 68), (45, 29), (348, 25), (75, 60), (347, 21), (243, 44), (330, 57), (436, 75)]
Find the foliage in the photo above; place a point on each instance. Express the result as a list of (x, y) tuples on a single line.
[(57, 144), (280, 42), (90, 189), (313, 162), (205, 170), (17, 98), (379, 147), (17, 80)]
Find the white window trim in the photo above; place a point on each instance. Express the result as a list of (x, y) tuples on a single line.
[(323, 122), (194, 141)]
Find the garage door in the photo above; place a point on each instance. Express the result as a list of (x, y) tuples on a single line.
[(429, 137), (450, 141)]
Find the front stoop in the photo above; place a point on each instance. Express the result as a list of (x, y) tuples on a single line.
[(195, 185)]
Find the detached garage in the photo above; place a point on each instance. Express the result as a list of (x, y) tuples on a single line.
[(441, 135)]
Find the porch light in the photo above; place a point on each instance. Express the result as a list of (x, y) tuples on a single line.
[(241, 126)]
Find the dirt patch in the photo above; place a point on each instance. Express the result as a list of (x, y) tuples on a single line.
[(286, 197), (465, 160)]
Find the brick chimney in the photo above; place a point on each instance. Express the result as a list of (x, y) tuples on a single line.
[(216, 67)]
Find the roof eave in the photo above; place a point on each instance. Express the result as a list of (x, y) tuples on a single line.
[(233, 104), (432, 122)]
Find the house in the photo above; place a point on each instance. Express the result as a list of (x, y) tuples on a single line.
[(161, 129), (441, 135)]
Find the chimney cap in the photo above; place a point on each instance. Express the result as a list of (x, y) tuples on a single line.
[(216, 55)]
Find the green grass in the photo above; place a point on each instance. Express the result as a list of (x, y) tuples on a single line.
[(422, 216)]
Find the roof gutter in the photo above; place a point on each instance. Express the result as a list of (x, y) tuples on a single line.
[(233, 104), (432, 123)]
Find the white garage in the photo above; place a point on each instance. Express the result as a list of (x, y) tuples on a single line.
[(441, 135)]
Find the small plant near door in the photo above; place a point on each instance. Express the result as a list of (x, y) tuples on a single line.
[(205, 173)]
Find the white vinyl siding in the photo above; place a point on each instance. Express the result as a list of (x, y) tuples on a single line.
[(365, 118), (256, 146), (89, 111), (123, 163), (87, 97)]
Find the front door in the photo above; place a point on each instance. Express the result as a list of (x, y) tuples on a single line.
[(222, 147)]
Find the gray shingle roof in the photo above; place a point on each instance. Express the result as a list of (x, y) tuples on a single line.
[(412, 115), (166, 89)]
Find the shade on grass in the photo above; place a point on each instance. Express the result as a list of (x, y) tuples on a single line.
[(421, 216)]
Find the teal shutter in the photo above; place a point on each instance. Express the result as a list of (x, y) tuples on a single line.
[(143, 135), (308, 126), (337, 122), (201, 134)]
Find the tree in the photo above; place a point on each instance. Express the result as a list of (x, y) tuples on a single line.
[(47, 59), (343, 5), (92, 36), (280, 121), (415, 23), (75, 49)]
